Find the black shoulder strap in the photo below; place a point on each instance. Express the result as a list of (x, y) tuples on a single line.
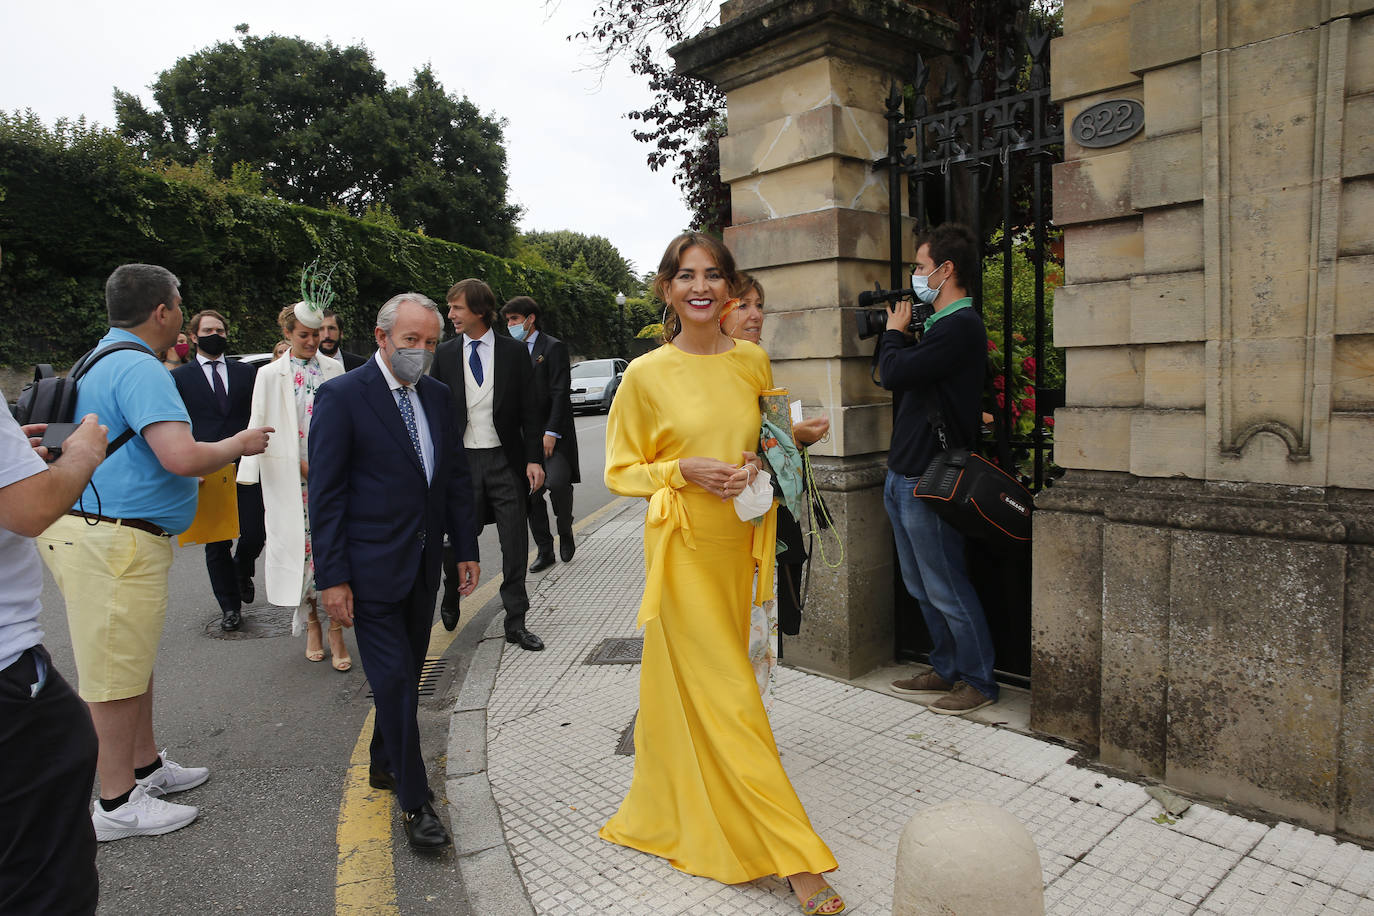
[(84, 364)]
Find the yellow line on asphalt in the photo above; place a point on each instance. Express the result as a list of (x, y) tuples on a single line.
[(365, 875)]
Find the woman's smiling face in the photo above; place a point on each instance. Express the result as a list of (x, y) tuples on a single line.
[(698, 289)]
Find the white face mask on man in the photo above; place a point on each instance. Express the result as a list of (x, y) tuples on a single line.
[(921, 286)]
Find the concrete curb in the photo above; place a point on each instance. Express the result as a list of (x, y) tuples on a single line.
[(492, 881), (489, 874)]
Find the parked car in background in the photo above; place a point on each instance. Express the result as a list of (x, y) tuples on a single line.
[(594, 383), (252, 359)]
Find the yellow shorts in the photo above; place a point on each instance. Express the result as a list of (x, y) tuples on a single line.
[(114, 580)]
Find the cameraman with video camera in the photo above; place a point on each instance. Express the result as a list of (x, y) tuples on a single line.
[(938, 365)]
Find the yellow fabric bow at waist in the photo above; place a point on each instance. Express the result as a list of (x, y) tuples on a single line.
[(667, 513)]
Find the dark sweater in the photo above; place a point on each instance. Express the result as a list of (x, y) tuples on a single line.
[(950, 359)]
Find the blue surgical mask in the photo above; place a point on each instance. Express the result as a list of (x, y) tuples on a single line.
[(518, 331), (921, 286)]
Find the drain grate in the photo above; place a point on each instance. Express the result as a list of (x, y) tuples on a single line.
[(430, 673), (617, 651), (626, 747)]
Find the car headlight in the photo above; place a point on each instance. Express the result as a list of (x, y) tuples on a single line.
[(596, 389)]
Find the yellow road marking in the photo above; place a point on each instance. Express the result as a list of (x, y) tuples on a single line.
[(365, 875)]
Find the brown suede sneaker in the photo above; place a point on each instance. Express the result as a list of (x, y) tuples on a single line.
[(930, 682), (959, 701)]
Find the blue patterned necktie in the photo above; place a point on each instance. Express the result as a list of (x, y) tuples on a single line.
[(475, 362), (408, 415)]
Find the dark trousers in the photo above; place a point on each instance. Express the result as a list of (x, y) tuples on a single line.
[(393, 638), (562, 500), (227, 567), (498, 492), (47, 768)]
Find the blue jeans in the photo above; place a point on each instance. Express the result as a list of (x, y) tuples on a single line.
[(931, 555)]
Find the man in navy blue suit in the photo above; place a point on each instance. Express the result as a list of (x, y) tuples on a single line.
[(219, 397), (388, 478)]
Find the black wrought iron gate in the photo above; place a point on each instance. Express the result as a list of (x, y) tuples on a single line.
[(986, 163)]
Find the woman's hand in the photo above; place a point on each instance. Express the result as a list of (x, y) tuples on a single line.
[(305, 469), (715, 476), (809, 432)]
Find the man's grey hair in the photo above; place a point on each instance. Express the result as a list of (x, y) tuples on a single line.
[(133, 291), (386, 315)]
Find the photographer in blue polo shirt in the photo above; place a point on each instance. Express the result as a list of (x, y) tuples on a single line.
[(111, 553)]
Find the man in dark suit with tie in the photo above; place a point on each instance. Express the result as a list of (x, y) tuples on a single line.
[(219, 396), (496, 405), (388, 479), (552, 376)]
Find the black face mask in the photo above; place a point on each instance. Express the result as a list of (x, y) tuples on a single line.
[(212, 344)]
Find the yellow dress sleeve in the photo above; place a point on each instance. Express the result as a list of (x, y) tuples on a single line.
[(631, 469), (631, 465)]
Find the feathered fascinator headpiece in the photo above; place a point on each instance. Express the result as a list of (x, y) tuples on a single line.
[(729, 306), (316, 294)]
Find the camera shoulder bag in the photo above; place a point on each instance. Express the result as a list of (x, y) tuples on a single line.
[(974, 495)]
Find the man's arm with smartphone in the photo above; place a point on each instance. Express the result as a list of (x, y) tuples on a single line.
[(29, 506)]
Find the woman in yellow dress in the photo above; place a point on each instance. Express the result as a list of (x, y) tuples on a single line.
[(709, 793)]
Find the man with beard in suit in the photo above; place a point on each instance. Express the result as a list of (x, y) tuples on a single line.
[(496, 404), (552, 375), (388, 479), (218, 395), (331, 338)]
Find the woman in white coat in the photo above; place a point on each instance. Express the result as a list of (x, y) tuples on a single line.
[(284, 399)]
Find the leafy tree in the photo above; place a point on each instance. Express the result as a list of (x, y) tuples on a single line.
[(686, 120), (593, 255), (322, 127)]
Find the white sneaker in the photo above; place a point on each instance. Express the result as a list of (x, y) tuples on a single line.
[(141, 815), (173, 777)]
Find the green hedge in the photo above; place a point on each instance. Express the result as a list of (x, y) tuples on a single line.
[(74, 206)]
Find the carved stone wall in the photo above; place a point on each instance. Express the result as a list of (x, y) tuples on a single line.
[(1203, 589)]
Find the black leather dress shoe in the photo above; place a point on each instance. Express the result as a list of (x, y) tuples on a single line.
[(246, 590), (525, 640), (230, 621), (448, 613), (541, 563), (379, 778), (424, 830), (566, 547)]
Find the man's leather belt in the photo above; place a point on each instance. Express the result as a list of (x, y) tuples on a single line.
[(138, 523)]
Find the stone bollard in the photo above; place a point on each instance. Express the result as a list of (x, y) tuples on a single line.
[(967, 858)]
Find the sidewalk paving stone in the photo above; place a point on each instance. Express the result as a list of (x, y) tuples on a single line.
[(862, 761)]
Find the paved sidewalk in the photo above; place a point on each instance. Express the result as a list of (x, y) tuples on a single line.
[(534, 773)]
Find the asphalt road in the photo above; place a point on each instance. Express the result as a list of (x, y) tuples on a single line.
[(277, 733)]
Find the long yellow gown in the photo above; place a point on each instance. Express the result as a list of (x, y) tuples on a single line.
[(709, 793)]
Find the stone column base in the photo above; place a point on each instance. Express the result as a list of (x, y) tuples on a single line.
[(1219, 636), (847, 622)]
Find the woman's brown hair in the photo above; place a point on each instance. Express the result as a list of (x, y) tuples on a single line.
[(672, 259)]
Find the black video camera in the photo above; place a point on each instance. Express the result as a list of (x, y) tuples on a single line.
[(871, 322)]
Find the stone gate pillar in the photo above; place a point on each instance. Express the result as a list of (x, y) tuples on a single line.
[(805, 82), (1204, 576)]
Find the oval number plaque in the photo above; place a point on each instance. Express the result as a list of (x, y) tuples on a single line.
[(1109, 123)]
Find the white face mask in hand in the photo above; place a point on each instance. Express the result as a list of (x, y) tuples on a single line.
[(756, 499)]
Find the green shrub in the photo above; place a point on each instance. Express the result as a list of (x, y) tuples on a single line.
[(78, 202)]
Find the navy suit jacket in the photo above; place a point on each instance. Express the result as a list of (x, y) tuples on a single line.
[(369, 502), (208, 422)]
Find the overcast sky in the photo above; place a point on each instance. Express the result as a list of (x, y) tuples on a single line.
[(571, 159)]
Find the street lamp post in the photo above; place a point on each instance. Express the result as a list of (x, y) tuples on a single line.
[(624, 345)]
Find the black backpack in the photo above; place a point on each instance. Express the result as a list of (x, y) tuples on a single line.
[(50, 398)]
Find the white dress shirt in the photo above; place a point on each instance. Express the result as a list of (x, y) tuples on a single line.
[(421, 424), (212, 366)]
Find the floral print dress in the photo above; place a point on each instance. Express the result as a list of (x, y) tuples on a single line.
[(306, 379)]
